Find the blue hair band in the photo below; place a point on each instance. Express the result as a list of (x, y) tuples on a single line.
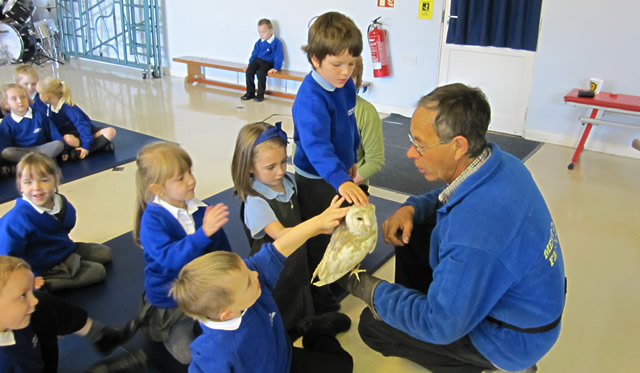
[(271, 132)]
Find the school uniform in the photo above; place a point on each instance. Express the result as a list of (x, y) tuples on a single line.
[(172, 237), (20, 135), (40, 237), (292, 292)]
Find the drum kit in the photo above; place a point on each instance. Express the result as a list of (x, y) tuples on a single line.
[(24, 38)]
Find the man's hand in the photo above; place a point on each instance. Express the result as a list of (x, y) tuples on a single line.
[(362, 288), (272, 71), (401, 222)]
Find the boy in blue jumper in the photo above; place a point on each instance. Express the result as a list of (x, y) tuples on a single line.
[(479, 281), (326, 135), (24, 130), (27, 76), (267, 57), (31, 322), (242, 328)]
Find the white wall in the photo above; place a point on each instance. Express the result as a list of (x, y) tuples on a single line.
[(227, 31), (580, 39)]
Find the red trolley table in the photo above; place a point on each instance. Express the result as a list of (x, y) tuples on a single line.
[(602, 102)]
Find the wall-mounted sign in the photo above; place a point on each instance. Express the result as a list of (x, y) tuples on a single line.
[(425, 9), (385, 3)]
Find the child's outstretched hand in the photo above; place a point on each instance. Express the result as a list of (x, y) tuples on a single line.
[(214, 218), (353, 193), (330, 218)]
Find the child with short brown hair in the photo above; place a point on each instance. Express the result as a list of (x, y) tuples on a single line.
[(326, 134), (267, 57)]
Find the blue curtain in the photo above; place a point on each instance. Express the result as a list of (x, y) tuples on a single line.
[(497, 23)]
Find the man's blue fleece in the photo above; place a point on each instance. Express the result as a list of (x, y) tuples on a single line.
[(494, 252)]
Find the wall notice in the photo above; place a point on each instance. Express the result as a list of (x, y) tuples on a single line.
[(385, 3), (425, 9)]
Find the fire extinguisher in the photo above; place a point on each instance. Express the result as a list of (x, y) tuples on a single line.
[(378, 46)]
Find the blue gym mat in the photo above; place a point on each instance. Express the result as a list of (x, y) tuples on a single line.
[(127, 145), (116, 300)]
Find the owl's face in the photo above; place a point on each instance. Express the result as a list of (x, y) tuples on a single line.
[(360, 219)]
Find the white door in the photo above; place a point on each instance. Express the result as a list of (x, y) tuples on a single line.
[(503, 74)]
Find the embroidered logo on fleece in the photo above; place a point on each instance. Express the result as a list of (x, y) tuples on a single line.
[(272, 315), (352, 110), (37, 130)]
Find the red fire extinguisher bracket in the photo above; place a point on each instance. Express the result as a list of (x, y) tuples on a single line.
[(378, 46)]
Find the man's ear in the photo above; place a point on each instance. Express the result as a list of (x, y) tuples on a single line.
[(156, 189), (461, 146)]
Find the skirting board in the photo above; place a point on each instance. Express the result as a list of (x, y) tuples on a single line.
[(592, 144)]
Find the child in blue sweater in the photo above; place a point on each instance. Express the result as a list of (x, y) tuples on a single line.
[(326, 134), (270, 208), (31, 322), (173, 228), (79, 134), (267, 57), (37, 230), (242, 327), (25, 130)]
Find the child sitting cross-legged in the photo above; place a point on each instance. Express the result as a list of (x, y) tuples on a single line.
[(242, 327), (80, 135), (37, 229), (31, 322), (25, 130)]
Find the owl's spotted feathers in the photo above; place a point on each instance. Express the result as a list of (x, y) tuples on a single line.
[(350, 243)]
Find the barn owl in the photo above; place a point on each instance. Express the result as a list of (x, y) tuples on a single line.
[(354, 238)]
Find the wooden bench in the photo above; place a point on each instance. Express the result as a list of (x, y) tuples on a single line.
[(196, 74)]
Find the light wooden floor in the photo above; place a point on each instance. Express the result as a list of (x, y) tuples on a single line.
[(596, 207)]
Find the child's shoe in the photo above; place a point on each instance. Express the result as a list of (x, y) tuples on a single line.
[(114, 337), (7, 170), (134, 362), (110, 147), (636, 144), (247, 97), (330, 323)]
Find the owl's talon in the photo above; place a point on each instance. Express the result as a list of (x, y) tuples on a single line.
[(357, 270)]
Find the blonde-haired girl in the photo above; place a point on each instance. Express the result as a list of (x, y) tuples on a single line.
[(270, 209), (173, 228), (74, 125)]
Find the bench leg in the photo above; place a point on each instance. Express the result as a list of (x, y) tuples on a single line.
[(583, 139), (194, 72)]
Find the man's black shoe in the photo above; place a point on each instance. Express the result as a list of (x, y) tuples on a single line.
[(247, 96), (259, 98)]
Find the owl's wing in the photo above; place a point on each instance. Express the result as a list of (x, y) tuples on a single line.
[(345, 251)]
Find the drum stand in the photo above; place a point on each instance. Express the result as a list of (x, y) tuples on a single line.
[(46, 50)]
